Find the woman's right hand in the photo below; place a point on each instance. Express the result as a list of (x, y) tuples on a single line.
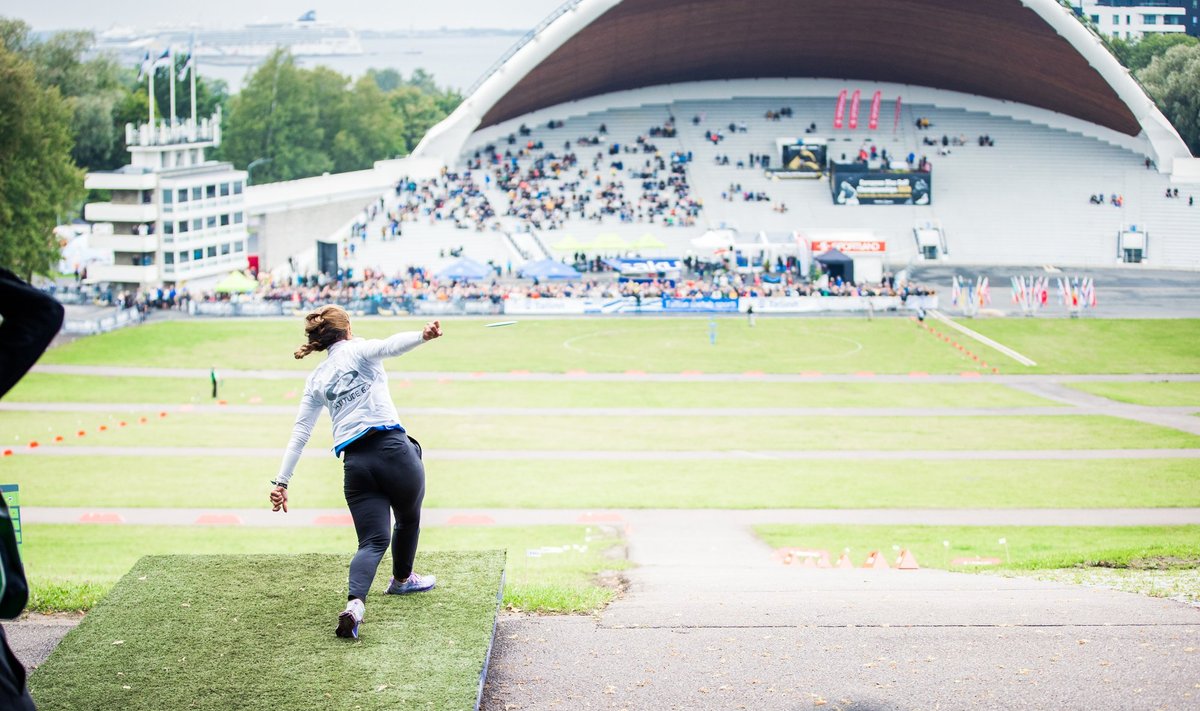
[(432, 330), (279, 499)]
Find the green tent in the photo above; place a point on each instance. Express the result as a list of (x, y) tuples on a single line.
[(609, 242), (236, 282), (649, 241), (568, 244)]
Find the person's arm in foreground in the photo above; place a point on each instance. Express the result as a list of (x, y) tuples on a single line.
[(310, 410), (31, 320)]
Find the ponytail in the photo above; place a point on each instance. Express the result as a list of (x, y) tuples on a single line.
[(324, 327)]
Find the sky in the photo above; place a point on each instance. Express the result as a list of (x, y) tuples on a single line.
[(358, 14)]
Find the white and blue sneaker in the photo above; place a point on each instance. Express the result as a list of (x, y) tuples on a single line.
[(412, 584), (350, 619)]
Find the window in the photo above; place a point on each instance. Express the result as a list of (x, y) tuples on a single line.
[(211, 191), (198, 223), (225, 249), (224, 220), (181, 195), (237, 218), (1116, 34), (167, 196), (237, 188), (224, 189), (168, 258), (238, 246), (197, 254), (196, 193), (183, 257), (169, 228), (211, 221), (183, 227), (1150, 19), (212, 251), (1116, 19), (1128, 19), (1095, 19)]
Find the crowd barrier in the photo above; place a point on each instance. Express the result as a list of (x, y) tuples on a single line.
[(102, 324)]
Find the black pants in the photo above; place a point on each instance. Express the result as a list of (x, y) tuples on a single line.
[(13, 694), (384, 474)]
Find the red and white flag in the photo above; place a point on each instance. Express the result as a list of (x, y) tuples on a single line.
[(854, 109), (839, 113), (873, 121)]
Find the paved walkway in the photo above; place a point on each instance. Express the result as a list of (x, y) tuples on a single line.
[(687, 518), (582, 376)]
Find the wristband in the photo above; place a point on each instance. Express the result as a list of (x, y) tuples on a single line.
[(282, 484)]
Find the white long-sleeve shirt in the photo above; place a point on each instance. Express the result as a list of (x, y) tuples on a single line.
[(353, 385)]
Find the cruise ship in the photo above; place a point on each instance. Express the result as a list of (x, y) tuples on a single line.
[(305, 37)]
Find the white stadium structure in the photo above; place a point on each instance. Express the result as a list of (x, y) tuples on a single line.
[(1066, 124)]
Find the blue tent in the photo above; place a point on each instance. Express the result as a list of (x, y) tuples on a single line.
[(548, 269), (466, 269)]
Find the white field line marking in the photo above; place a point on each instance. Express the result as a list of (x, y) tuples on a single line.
[(981, 338)]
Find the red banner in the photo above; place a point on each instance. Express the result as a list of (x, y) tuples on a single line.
[(873, 121), (839, 114), (896, 126), (854, 109), (856, 246)]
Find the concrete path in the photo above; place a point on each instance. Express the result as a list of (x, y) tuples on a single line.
[(710, 621), (582, 376), (687, 518), (1182, 420)]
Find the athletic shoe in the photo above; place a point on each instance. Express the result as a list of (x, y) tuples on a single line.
[(412, 584), (350, 619)]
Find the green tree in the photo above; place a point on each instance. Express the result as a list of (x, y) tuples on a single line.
[(38, 181), (386, 79), (1137, 54), (370, 129), (275, 118), (1173, 80), (210, 93)]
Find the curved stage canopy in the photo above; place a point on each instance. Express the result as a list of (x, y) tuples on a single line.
[(1031, 52)]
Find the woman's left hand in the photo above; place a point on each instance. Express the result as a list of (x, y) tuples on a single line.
[(432, 330), (279, 499)]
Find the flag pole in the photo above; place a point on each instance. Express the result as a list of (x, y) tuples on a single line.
[(171, 69), (151, 84), (192, 71)]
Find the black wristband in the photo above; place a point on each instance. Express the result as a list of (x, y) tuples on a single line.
[(280, 484)]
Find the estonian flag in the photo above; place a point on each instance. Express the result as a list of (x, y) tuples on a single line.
[(144, 67), (164, 59), (187, 65)]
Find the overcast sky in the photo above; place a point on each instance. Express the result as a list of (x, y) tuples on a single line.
[(361, 14)]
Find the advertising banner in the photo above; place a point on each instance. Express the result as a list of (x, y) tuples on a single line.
[(857, 185), (854, 109), (873, 120), (896, 125), (645, 265), (720, 305), (803, 157), (847, 246), (839, 113)]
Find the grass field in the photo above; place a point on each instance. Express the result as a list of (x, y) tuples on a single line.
[(572, 433), (72, 567), (230, 482), (1154, 394), (207, 633), (1027, 547), (1098, 345), (42, 387)]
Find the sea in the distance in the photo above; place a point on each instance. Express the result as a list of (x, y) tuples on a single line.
[(454, 60)]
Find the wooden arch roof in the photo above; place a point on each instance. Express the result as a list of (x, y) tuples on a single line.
[(993, 48)]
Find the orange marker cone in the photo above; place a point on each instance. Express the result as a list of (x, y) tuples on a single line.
[(8, 452), (162, 414), (843, 561), (121, 423), (33, 444), (876, 562), (907, 561), (103, 428), (141, 420), (58, 438), (81, 433)]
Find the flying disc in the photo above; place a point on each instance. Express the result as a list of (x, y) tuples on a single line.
[(498, 324)]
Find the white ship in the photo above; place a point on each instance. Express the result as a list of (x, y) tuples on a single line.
[(305, 37)]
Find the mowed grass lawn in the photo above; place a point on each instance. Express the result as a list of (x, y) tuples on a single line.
[(1097, 345), (615, 432), (1177, 394), (231, 482), (1025, 547), (71, 567), (256, 632), (461, 390), (668, 345)]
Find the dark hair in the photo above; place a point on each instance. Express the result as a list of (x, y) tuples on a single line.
[(324, 327)]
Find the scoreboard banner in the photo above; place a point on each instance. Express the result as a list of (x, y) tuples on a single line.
[(879, 187)]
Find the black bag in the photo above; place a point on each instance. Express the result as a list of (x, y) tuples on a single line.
[(14, 589)]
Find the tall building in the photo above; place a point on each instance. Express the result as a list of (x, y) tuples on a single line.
[(1134, 19), (172, 216)]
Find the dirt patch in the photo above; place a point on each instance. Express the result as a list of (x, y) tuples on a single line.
[(1162, 562)]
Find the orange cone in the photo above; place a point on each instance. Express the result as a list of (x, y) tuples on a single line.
[(58, 438), (162, 414), (81, 433), (103, 428), (907, 561), (33, 444), (843, 561), (141, 420), (8, 452), (875, 561), (121, 423)]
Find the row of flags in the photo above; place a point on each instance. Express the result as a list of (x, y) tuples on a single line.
[(965, 293), (165, 59)]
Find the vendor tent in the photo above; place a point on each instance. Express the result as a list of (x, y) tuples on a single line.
[(465, 269), (568, 244), (836, 264), (236, 282), (548, 269)]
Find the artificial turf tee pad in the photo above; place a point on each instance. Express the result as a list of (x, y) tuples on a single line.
[(256, 632)]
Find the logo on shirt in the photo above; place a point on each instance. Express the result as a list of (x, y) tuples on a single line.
[(345, 389)]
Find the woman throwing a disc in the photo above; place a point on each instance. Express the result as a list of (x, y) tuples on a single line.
[(383, 468)]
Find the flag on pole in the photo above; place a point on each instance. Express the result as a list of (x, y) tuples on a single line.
[(144, 66), (854, 98), (839, 113), (873, 118), (187, 64), (955, 291), (163, 60)]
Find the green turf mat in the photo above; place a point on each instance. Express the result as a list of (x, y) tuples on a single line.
[(256, 632)]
